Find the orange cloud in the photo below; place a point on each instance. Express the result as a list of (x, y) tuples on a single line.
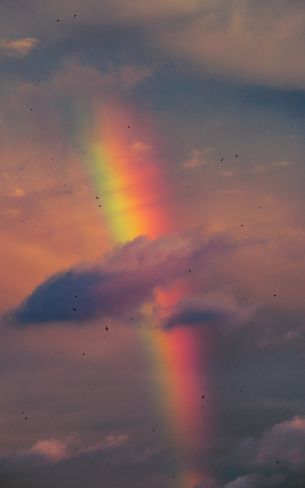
[(18, 47)]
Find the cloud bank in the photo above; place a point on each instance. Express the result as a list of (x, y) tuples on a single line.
[(117, 286)]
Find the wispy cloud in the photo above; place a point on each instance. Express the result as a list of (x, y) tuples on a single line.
[(265, 168), (140, 147), (197, 158), (18, 47), (55, 450)]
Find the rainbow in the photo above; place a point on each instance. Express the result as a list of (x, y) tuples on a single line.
[(125, 175), (129, 183)]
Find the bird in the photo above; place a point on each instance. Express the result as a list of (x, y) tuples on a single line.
[(190, 270), (106, 328), (274, 295), (202, 396), (236, 155), (74, 309), (221, 160), (74, 16)]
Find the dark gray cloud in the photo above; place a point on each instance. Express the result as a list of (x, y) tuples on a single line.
[(119, 284), (214, 309), (84, 295), (274, 459)]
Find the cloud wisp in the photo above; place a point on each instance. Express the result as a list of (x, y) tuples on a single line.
[(54, 450), (18, 47)]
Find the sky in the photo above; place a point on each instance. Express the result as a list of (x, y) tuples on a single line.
[(152, 236)]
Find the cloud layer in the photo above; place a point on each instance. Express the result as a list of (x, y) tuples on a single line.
[(213, 91), (243, 41), (123, 282)]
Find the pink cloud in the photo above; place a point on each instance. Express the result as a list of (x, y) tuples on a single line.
[(285, 443), (55, 450)]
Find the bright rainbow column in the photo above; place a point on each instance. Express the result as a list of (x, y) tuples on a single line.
[(131, 189)]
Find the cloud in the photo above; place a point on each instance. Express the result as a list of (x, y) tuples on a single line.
[(116, 286), (18, 47), (130, 76), (239, 40), (17, 193), (210, 309), (93, 12), (52, 451), (255, 481), (274, 459), (98, 294), (283, 443), (244, 41), (76, 78), (265, 168), (140, 147), (226, 173), (198, 158)]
